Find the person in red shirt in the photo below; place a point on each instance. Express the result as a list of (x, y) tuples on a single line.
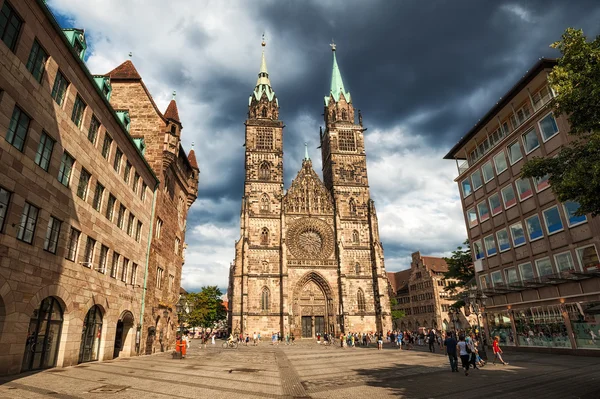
[(497, 351)]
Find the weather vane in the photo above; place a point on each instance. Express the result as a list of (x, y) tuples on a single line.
[(332, 45), (263, 40), (174, 94)]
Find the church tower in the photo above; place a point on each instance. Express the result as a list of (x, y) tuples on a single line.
[(362, 278), (255, 276)]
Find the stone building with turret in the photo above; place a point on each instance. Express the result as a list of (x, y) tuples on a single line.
[(308, 260), (159, 134)]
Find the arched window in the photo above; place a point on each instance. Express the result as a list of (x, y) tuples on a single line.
[(44, 336), (263, 112), (333, 116), (264, 203), (264, 171), (355, 237), (92, 332), (357, 268), (264, 236), (264, 299), (352, 206), (361, 300), (344, 115)]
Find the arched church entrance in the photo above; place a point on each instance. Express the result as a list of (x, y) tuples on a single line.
[(124, 335), (43, 336), (313, 309)]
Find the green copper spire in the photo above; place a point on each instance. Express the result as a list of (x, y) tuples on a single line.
[(337, 84), (306, 157), (263, 84)]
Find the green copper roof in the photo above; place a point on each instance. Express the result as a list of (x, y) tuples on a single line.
[(76, 36), (263, 84), (306, 157), (337, 84)]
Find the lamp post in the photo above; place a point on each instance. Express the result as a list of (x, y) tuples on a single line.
[(475, 301), (453, 316)]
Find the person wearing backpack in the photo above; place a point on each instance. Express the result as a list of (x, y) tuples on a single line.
[(464, 352)]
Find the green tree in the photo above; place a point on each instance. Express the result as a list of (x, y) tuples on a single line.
[(205, 308), (460, 272), (574, 174), (396, 314)]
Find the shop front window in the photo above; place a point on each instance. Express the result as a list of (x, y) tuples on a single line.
[(585, 320), (541, 326), (500, 326)]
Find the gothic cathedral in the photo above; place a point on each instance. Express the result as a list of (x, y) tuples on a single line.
[(308, 260)]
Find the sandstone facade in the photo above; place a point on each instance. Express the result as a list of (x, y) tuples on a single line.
[(309, 260)]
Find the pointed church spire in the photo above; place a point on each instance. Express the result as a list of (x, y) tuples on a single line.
[(306, 157), (263, 74), (257, 107), (337, 84)]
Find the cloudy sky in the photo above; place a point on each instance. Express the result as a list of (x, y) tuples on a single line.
[(422, 72)]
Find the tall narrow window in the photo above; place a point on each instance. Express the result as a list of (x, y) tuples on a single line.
[(548, 127), (26, 229), (130, 221), (264, 203), (117, 161), (352, 207), (10, 25), (133, 278), (136, 182), (98, 196), (66, 167), (264, 300), (44, 151), (93, 130), (159, 277), (73, 244), (264, 236), (103, 259), (127, 172), (84, 182), (177, 244), (361, 300), (52, 234), (264, 171), (357, 268), (60, 88), (106, 146), (4, 199), (159, 224), (143, 192), (124, 270), (88, 256), (138, 231), (78, 109), (355, 237), (115, 265), (110, 207), (121, 216), (17, 128), (37, 61)]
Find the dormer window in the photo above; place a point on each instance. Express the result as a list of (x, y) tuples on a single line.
[(78, 48), (77, 39), (106, 91), (103, 83), (124, 118), (173, 129)]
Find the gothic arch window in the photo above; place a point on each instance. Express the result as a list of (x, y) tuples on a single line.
[(264, 138), (333, 116), (264, 171), (265, 266), (352, 207), (361, 301), (355, 237), (344, 116), (263, 112), (264, 299), (264, 236), (357, 268), (264, 203)]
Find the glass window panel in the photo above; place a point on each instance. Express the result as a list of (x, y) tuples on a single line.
[(106, 146), (571, 208), (93, 130), (26, 228), (530, 141), (490, 245), (544, 267), (508, 196), (541, 183), (500, 162), (534, 227), (484, 212), (497, 278), (524, 188), (10, 25), (488, 171), (472, 217), (548, 127), (476, 180), (526, 271), (552, 220), (466, 188), (4, 199), (564, 262), (588, 258), (495, 204), (514, 152), (17, 128), (511, 275), (52, 234), (60, 88), (84, 181), (66, 167), (37, 61), (478, 250), (517, 233), (44, 151), (484, 280), (78, 109), (503, 242)]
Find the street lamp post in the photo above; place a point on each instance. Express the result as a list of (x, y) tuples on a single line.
[(475, 301), (453, 316)]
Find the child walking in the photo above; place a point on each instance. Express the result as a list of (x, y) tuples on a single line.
[(497, 351)]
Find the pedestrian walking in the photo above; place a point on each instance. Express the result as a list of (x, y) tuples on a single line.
[(464, 353), (380, 341), (497, 351), (432, 340), (212, 339), (254, 338), (450, 345)]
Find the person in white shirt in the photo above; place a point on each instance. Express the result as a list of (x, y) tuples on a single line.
[(463, 353)]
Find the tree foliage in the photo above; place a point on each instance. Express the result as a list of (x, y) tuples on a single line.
[(205, 308), (460, 272), (396, 314), (574, 174)]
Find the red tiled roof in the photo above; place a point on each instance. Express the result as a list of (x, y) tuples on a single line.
[(435, 264), (171, 112), (398, 280), (125, 71), (192, 159)]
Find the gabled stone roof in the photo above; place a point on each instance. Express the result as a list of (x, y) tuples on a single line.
[(192, 159), (308, 194), (399, 280), (125, 71), (438, 265)]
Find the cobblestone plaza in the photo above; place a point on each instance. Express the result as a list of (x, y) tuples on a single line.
[(308, 370)]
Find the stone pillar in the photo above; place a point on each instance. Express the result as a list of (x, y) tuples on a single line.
[(567, 321)]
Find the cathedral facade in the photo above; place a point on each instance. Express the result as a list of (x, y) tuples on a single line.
[(308, 260)]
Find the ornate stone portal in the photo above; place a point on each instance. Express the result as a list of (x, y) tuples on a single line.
[(309, 260)]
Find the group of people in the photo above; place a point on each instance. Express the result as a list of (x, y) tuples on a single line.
[(467, 348)]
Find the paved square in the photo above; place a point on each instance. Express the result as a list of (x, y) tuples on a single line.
[(309, 370)]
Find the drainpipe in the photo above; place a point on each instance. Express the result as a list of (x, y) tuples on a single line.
[(139, 333)]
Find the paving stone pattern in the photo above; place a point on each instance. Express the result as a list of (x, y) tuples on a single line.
[(308, 370)]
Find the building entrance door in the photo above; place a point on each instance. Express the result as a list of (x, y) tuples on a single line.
[(43, 337), (319, 325), (307, 327), (90, 335)]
